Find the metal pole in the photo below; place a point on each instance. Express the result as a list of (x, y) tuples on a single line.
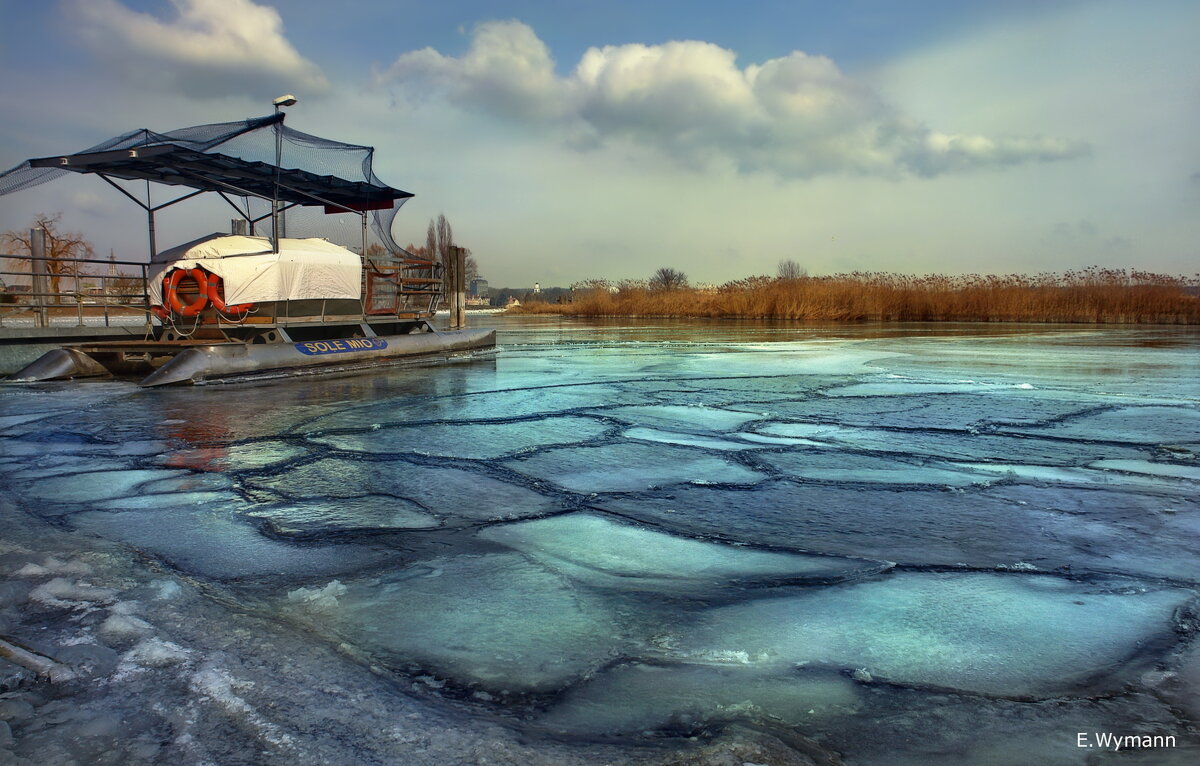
[(37, 264), (150, 215), (146, 299), (364, 234), (153, 246), (275, 197)]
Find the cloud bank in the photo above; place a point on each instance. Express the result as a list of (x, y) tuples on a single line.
[(796, 116), (214, 48)]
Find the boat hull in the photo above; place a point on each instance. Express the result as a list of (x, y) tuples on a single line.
[(198, 363)]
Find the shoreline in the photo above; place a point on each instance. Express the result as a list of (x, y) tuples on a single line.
[(522, 312)]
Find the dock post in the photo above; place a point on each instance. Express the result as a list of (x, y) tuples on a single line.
[(458, 288), (460, 272), (39, 287), (448, 286)]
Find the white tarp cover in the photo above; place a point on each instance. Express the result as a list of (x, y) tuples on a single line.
[(303, 269)]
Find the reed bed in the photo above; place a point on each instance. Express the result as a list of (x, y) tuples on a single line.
[(1092, 295)]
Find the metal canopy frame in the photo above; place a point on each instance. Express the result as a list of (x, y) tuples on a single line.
[(174, 165)]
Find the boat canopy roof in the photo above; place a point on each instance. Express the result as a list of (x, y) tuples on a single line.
[(174, 165), (235, 159)]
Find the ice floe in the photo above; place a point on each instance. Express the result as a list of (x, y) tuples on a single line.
[(600, 551), (437, 490), (212, 544), (333, 515), (477, 441), (90, 486), (1010, 635), (685, 439), (640, 698), (624, 467), (497, 621), (699, 417)]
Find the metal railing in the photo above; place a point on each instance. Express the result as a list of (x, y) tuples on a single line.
[(400, 284), (59, 292)]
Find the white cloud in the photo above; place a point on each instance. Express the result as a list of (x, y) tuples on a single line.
[(795, 116), (508, 71), (214, 48)]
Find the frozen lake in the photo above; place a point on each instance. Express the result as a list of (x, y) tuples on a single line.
[(622, 542)]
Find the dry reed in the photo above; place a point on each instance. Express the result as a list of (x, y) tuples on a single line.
[(1091, 295)]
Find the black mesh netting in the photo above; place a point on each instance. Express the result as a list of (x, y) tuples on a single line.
[(253, 140)]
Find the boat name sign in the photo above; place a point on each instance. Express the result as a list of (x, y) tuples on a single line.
[(316, 347)]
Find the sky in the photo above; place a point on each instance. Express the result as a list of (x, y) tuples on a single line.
[(574, 140)]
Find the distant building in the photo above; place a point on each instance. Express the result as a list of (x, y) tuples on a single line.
[(537, 287), (479, 288)]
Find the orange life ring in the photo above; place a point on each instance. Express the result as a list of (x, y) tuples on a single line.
[(213, 290), (171, 292)]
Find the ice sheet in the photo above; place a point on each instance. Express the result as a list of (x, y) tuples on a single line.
[(640, 698), (684, 439), (815, 465), (496, 622), (1085, 527), (615, 531), (702, 418), (476, 441), (1025, 636), (1173, 470), (97, 485), (1135, 425), (211, 544), (503, 403), (961, 445), (600, 551), (439, 491), (342, 514), (624, 467)]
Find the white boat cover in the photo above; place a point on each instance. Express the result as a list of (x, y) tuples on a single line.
[(303, 269)]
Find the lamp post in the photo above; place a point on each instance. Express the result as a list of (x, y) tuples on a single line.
[(279, 103)]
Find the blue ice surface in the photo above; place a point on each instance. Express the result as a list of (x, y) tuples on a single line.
[(206, 541), (630, 466), (312, 518), (602, 551), (1024, 636), (478, 441), (612, 528), (496, 621)]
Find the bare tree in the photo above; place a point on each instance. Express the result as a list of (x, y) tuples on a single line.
[(61, 248), (789, 269), (125, 289), (439, 246), (668, 279), (445, 244), (431, 242), (471, 267)]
